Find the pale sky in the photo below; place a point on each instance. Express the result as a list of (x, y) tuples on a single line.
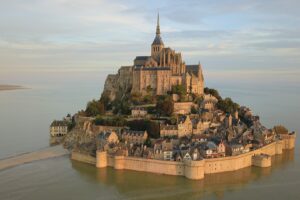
[(84, 35)]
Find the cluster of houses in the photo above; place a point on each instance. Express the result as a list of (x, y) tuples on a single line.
[(209, 133), (191, 139)]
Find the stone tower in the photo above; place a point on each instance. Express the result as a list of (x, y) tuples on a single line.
[(157, 44)]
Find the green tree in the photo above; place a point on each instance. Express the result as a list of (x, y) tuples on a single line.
[(194, 110), (227, 105), (213, 92), (165, 106), (94, 108), (136, 98), (179, 89)]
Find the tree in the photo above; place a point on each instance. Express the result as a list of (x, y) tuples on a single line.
[(121, 107), (165, 106), (94, 108), (136, 98), (112, 121), (213, 92), (151, 127), (227, 105), (106, 101), (179, 89), (194, 110)]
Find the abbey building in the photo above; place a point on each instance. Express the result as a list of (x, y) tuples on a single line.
[(157, 72)]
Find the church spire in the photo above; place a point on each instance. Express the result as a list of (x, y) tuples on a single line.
[(157, 26)]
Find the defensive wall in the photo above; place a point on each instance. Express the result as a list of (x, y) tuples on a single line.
[(191, 169)]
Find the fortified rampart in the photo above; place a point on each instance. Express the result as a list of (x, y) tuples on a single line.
[(193, 169)]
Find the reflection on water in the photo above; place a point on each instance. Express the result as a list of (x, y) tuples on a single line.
[(141, 185)]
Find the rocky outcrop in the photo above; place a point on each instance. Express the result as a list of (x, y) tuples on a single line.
[(81, 138), (117, 85)]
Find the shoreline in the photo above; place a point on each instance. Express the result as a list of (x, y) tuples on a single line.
[(46, 153), (6, 87)]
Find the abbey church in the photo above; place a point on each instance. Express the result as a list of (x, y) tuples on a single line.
[(158, 72)]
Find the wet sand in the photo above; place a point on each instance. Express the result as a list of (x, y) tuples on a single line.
[(50, 152), (10, 87)]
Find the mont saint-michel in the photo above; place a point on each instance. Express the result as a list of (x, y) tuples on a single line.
[(157, 116)]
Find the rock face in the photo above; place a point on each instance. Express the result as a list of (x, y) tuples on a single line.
[(116, 85), (81, 138)]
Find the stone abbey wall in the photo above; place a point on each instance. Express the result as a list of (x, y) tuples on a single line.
[(192, 169)]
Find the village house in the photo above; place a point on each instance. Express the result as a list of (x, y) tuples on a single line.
[(185, 127), (134, 137), (183, 108), (209, 102), (106, 138), (236, 149), (211, 150), (58, 128), (138, 112), (200, 126), (167, 130)]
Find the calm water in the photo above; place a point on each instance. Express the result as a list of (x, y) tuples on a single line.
[(24, 121)]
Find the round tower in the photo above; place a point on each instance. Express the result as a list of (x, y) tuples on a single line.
[(101, 159)]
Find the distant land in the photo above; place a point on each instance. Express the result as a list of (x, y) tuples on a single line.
[(10, 87)]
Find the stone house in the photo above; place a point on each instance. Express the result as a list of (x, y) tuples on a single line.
[(209, 102), (134, 137), (200, 126), (168, 155), (209, 150), (221, 148), (185, 127), (187, 156), (137, 112), (183, 107), (58, 128), (168, 130), (104, 139), (236, 149)]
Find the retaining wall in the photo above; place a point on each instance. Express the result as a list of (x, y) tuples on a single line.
[(189, 169)]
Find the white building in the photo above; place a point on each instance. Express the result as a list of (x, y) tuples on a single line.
[(58, 128)]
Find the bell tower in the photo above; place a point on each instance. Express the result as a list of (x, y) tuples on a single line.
[(157, 44)]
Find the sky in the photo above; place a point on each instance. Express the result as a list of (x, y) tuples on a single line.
[(102, 35)]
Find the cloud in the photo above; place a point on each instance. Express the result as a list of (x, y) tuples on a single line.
[(73, 34)]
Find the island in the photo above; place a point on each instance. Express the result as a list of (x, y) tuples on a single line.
[(10, 87), (157, 116)]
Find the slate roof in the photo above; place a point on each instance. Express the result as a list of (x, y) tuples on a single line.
[(157, 40), (142, 57), (59, 123)]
